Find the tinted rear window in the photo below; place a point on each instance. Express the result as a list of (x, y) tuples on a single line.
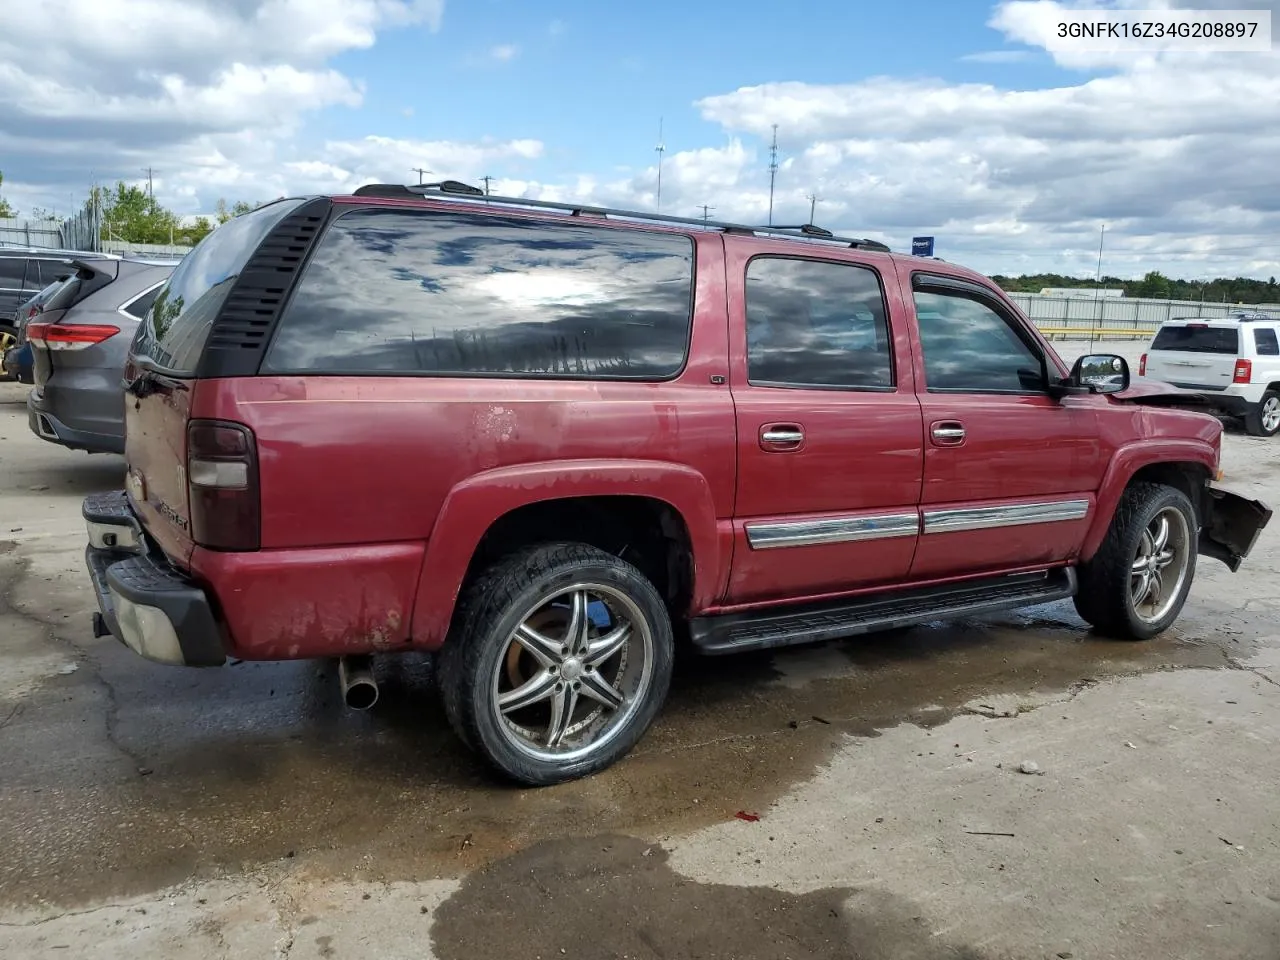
[(419, 292), (12, 270), (1266, 342), (1197, 339), (175, 331)]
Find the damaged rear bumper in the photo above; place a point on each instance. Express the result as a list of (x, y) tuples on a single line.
[(1230, 525)]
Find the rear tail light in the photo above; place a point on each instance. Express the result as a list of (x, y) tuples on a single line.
[(222, 485), (1142, 365), (64, 336), (1244, 371)]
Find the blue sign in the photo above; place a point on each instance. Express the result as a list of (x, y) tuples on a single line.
[(922, 246)]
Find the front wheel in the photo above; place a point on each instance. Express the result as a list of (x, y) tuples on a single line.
[(1263, 419), (559, 662), (1136, 584)]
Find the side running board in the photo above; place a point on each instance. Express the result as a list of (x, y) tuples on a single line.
[(730, 633)]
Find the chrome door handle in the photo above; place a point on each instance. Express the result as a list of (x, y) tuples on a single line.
[(782, 436), (948, 434)]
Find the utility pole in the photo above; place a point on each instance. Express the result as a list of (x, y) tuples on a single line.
[(487, 179), (1097, 290), (706, 211), (661, 148), (421, 172), (813, 199), (773, 170)]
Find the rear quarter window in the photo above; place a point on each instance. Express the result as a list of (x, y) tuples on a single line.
[(421, 292), (1266, 342), (1197, 339), (174, 332)]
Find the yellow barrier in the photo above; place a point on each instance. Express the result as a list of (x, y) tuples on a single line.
[(1086, 333)]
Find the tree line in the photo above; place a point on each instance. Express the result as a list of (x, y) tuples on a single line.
[(132, 215), (1155, 285)]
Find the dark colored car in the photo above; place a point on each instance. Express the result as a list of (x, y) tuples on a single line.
[(79, 342), (24, 271), (551, 442), (15, 352)]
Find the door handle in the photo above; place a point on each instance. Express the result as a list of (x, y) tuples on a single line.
[(947, 433), (781, 436)]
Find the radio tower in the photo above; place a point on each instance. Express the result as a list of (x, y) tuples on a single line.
[(773, 170), (661, 148)]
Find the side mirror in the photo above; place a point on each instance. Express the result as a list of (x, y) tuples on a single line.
[(1100, 373)]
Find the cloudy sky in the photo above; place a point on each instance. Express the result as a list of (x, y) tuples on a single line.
[(957, 118)]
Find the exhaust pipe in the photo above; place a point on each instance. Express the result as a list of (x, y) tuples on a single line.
[(359, 688)]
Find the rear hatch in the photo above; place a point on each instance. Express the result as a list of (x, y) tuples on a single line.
[(1195, 353), (161, 378), (54, 335)]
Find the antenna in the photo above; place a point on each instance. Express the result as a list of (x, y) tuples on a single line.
[(773, 170), (661, 148), (151, 192), (706, 212), (421, 172), (487, 180), (1097, 290)]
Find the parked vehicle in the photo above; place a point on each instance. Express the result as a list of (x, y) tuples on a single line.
[(550, 443), (24, 271), (1234, 362), (79, 342), (15, 352)]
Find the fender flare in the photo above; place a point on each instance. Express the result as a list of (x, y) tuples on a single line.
[(473, 505), (1125, 463)]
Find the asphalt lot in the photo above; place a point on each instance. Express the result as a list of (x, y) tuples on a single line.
[(154, 812)]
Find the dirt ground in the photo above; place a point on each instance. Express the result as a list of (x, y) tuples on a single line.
[(243, 812)]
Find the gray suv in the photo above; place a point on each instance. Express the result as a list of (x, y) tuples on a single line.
[(79, 344)]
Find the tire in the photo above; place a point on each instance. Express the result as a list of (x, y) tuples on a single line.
[(1263, 418), (1117, 600), (8, 340), (541, 590)]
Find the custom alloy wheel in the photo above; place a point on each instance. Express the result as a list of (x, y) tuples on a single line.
[(573, 672), (559, 660), (1160, 565), (1134, 587)]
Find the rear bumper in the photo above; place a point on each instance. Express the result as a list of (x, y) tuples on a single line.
[(143, 602), (48, 427)]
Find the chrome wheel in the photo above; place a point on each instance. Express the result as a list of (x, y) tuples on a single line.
[(1270, 414), (573, 672), (1160, 565), (7, 340)]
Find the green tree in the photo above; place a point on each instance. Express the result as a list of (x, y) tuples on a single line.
[(196, 232), (5, 209), (223, 213), (130, 214), (1154, 285)]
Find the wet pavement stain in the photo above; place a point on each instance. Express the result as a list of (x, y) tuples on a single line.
[(616, 896), (126, 776)]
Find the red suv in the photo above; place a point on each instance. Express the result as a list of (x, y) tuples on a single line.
[(551, 442)]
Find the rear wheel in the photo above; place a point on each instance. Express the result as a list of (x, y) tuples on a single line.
[(560, 660), (1263, 419), (1136, 584)]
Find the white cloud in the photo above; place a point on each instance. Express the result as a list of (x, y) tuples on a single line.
[(504, 52), (998, 56)]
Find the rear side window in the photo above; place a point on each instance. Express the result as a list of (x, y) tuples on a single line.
[(12, 270), (1265, 342), (139, 306), (185, 307), (816, 323), (1197, 339), (418, 292)]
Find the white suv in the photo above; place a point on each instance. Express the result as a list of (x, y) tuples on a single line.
[(1233, 361)]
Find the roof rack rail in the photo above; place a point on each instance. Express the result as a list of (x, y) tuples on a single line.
[(454, 189)]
